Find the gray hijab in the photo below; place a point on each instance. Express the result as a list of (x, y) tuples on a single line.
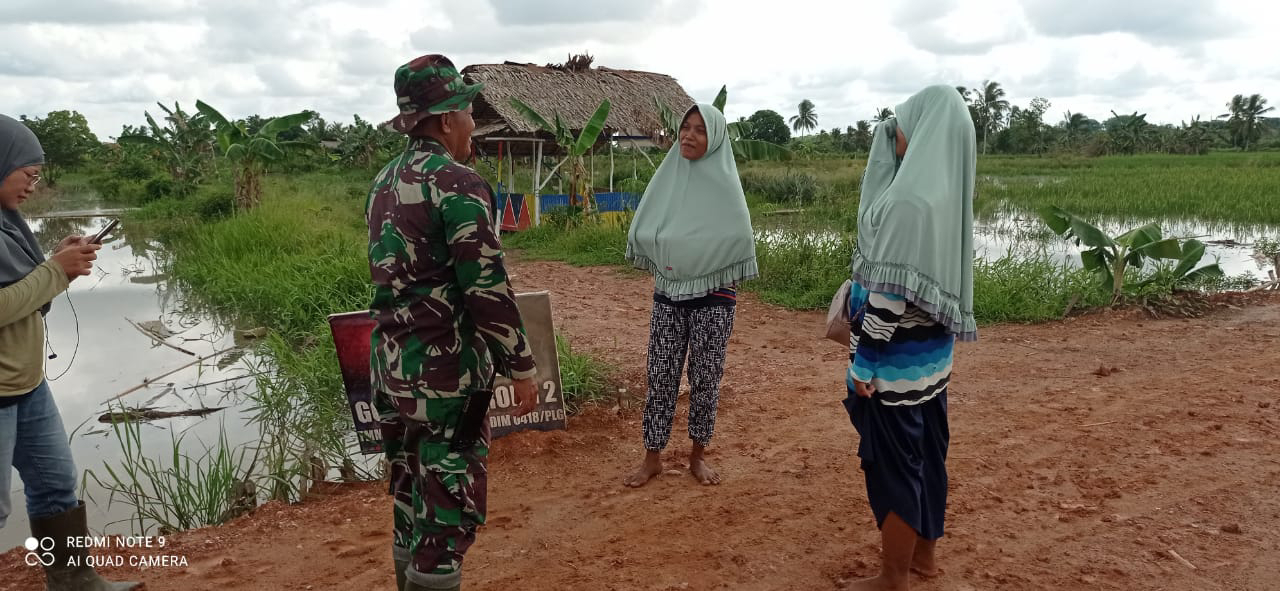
[(19, 252)]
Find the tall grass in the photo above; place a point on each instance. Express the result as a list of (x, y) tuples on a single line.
[(800, 268), (585, 380), (287, 265), (173, 491), (1225, 187), (1221, 187), (588, 244)]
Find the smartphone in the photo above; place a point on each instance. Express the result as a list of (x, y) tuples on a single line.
[(97, 238)]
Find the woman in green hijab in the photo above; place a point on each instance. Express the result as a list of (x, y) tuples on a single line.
[(693, 232), (911, 300)]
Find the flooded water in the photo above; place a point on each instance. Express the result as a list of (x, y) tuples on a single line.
[(101, 354), (1016, 234), (1020, 235)]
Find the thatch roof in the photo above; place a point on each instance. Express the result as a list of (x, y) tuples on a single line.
[(574, 92)]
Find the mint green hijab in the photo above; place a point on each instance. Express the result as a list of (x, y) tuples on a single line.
[(915, 224), (692, 229)]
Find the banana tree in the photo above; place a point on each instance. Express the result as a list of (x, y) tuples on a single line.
[(1112, 258), (185, 143), (1185, 271), (575, 147), (744, 148), (251, 154)]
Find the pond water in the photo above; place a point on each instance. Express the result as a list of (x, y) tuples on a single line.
[(101, 354), (1011, 233), (1016, 234)]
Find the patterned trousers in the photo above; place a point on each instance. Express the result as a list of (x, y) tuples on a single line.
[(439, 495), (703, 335)]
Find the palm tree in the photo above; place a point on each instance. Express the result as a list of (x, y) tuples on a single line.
[(882, 114), (806, 118), (861, 136), (990, 107), (1243, 117)]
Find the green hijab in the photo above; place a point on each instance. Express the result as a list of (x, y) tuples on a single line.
[(915, 224), (692, 229)]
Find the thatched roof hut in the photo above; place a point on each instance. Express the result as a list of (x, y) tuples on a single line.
[(574, 90)]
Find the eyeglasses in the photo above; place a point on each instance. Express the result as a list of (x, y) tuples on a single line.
[(33, 178)]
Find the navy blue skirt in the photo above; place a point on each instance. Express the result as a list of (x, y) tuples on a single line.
[(904, 458)]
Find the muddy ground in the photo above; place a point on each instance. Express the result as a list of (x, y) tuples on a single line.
[(1111, 451)]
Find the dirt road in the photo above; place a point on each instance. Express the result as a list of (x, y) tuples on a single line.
[(1061, 478)]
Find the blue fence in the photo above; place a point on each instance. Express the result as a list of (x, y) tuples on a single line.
[(605, 202)]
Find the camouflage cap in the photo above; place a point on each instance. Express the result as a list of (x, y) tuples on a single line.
[(430, 85)]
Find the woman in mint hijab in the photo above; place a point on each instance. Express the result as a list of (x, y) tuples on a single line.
[(912, 299), (693, 232)]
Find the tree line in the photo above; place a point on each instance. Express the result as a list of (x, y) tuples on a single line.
[(1005, 128)]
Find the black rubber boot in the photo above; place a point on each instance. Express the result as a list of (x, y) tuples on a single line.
[(68, 571), (400, 566)]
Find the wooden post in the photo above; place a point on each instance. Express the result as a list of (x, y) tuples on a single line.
[(537, 186), (501, 210)]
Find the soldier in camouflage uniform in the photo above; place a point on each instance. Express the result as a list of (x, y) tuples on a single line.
[(446, 322)]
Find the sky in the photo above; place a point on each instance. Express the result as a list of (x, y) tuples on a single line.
[(114, 59)]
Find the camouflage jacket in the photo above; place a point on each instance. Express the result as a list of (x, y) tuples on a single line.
[(444, 308)]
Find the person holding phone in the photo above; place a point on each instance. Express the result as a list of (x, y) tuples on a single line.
[(32, 437), (446, 323)]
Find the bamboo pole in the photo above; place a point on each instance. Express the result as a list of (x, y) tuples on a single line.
[(148, 381)]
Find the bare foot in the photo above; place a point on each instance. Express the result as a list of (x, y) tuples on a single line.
[(699, 467), (923, 562), (877, 584), (703, 472), (651, 467), (926, 572)]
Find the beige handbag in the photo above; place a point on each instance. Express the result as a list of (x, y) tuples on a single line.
[(838, 314)]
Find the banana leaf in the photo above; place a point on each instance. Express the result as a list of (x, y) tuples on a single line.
[(1089, 234), (237, 152), (278, 125), (1058, 220), (591, 131), (1192, 253), (533, 116), (218, 119), (265, 148), (721, 99), (1161, 249)]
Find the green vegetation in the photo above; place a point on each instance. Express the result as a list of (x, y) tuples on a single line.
[(1224, 187), (286, 265), (176, 492), (1113, 259), (263, 234), (251, 152), (575, 146), (805, 255)]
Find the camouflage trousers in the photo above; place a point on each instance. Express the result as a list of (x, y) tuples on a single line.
[(439, 495)]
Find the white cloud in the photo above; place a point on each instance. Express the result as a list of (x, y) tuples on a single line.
[(94, 12), (1164, 21), (113, 59)]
